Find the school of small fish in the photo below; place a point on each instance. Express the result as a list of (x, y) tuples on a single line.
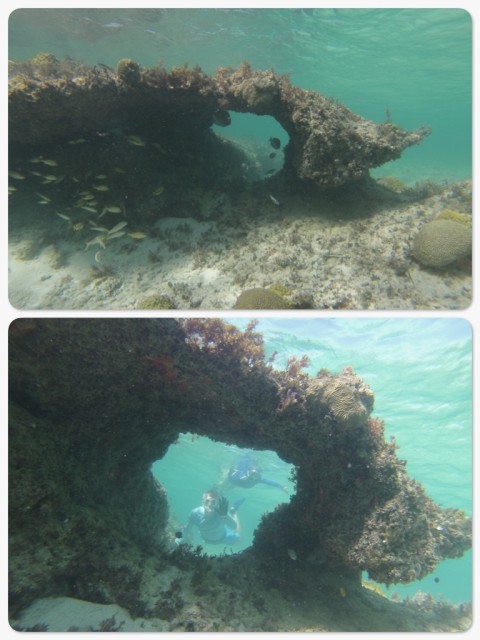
[(86, 199), (94, 199)]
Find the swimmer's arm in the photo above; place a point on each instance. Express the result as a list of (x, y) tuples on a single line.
[(230, 521)]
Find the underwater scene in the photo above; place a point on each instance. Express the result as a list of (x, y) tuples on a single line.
[(281, 474), (240, 159)]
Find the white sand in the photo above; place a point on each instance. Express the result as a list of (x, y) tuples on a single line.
[(70, 614)]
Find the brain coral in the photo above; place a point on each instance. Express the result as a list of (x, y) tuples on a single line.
[(260, 299), (442, 242), (347, 397), (156, 302)]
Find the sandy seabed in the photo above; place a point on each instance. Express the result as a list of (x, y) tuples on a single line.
[(322, 252), (356, 612)]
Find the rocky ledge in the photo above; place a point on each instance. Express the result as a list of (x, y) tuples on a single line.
[(58, 101)]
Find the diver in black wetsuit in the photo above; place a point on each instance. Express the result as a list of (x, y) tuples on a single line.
[(247, 474)]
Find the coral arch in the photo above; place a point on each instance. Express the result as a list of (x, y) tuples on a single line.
[(52, 101), (93, 402)]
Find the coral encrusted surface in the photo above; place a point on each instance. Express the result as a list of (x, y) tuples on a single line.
[(94, 402), (54, 100)]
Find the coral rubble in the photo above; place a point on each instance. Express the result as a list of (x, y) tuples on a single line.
[(94, 402)]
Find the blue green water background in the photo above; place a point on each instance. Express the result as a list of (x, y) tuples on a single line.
[(421, 373), (415, 63)]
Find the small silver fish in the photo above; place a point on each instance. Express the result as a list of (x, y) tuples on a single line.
[(117, 234), (44, 198), (101, 229), (98, 240), (49, 163), (136, 141), (16, 175), (118, 226), (276, 202), (113, 209)]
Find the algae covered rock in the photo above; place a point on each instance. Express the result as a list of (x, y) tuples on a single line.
[(128, 71), (121, 391), (156, 302), (442, 242), (456, 216), (260, 299), (54, 101)]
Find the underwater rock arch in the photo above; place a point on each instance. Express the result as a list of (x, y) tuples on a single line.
[(52, 101), (93, 402)]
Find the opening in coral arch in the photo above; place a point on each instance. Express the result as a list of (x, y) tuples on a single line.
[(196, 464), (261, 138)]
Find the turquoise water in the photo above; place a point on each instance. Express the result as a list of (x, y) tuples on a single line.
[(421, 373), (415, 63)]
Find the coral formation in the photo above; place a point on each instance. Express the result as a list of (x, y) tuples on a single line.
[(442, 242), (56, 101), (329, 144), (347, 397), (261, 299), (281, 290), (156, 301), (456, 216), (393, 183), (128, 72), (87, 520)]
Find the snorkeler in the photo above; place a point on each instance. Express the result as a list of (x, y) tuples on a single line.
[(247, 474), (215, 522)]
